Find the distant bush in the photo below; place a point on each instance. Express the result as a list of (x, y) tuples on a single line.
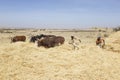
[(106, 35), (99, 30), (34, 31), (1, 31), (116, 29), (42, 29), (5, 31), (8, 32)]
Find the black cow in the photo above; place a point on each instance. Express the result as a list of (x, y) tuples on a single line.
[(34, 38)]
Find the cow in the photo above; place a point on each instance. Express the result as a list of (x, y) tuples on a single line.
[(47, 42), (100, 42), (18, 38), (49, 36), (59, 40), (53, 41), (35, 38)]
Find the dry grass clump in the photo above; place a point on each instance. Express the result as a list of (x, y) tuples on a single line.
[(113, 42)]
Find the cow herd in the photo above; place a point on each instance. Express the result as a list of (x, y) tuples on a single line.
[(46, 41)]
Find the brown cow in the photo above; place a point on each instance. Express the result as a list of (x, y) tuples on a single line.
[(59, 40), (48, 42), (18, 38)]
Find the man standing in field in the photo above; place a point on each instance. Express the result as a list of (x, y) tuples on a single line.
[(75, 42)]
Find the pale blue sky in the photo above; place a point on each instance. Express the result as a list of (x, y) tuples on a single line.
[(59, 13)]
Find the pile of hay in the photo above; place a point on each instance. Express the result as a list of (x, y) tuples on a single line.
[(113, 42)]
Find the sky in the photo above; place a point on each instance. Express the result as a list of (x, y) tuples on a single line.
[(59, 13)]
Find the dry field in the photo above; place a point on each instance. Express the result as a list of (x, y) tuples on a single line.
[(26, 61)]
